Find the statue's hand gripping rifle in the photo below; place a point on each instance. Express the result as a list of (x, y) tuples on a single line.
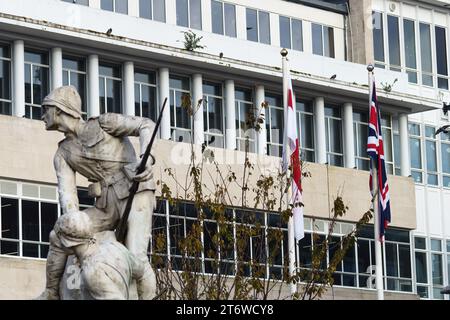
[(123, 223)]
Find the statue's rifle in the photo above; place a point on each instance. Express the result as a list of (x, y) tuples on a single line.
[(123, 223)]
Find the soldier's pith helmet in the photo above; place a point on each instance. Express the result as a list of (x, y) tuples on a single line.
[(65, 98), (74, 228)]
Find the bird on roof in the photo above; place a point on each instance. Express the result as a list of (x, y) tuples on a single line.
[(109, 31), (333, 77), (445, 107), (444, 129)]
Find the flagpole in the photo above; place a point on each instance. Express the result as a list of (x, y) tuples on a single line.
[(376, 209), (291, 239)]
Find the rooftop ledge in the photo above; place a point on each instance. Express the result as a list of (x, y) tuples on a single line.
[(83, 30)]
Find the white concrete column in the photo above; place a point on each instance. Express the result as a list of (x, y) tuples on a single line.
[(57, 76), (18, 65), (230, 115), (93, 86), (319, 126), (405, 162), (164, 92), (197, 95), (349, 139), (261, 135), (128, 85)]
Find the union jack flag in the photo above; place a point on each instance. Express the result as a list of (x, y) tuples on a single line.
[(375, 150)]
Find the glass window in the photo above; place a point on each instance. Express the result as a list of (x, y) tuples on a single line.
[(110, 84), (153, 10), (9, 222), (425, 53), (5, 80), (291, 36), (415, 149), (420, 243), (378, 39), (145, 94), (119, 6), (333, 130), (323, 40), (441, 57), (258, 26), (274, 125), (180, 103), (360, 132), (213, 116), (189, 14), (305, 120), (421, 267), (36, 82), (394, 43), (244, 109), (223, 18), (445, 159), (386, 131), (74, 74), (410, 49), (431, 156)]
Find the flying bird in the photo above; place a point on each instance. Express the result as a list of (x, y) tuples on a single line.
[(109, 31), (444, 129)]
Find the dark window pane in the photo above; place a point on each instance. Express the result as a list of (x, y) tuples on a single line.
[(297, 35), (391, 260), (328, 34), (145, 9), (122, 6), (305, 251), (159, 10), (317, 39), (394, 41), (195, 14), (441, 51), (217, 17), (378, 37), (107, 5), (30, 220), (410, 44), (404, 261), (230, 20), (9, 248), (264, 27), (9, 214), (49, 214), (182, 13), (425, 49), (5, 80), (252, 25), (40, 84), (285, 32), (30, 250)]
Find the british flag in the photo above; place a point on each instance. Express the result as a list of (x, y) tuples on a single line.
[(375, 150)]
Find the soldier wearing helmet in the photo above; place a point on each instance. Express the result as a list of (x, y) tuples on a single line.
[(100, 150)]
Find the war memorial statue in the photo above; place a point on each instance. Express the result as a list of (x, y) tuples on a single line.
[(100, 150)]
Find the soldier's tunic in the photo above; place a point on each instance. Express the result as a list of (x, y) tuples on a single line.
[(104, 155)]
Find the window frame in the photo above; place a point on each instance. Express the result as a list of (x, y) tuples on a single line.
[(113, 78), (207, 131), (3, 59), (79, 72), (31, 105), (140, 84)]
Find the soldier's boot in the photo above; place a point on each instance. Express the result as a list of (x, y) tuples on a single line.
[(146, 285), (56, 263)]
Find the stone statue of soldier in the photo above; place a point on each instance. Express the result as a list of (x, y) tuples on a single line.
[(100, 150)]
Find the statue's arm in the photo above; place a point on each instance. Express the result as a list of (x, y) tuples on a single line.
[(121, 125), (67, 188)]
